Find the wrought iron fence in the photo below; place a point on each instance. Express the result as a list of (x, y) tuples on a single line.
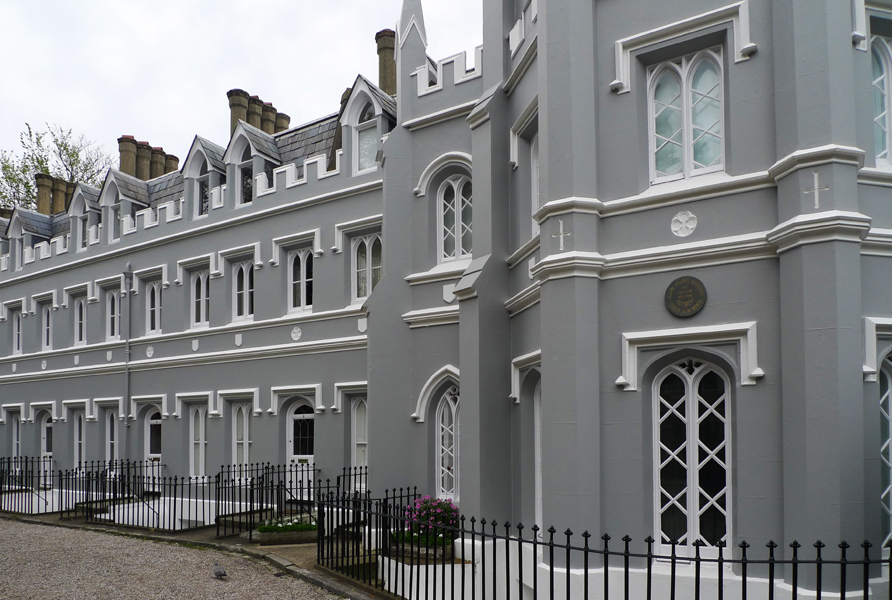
[(372, 541)]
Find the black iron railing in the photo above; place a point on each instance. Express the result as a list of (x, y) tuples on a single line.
[(371, 541)]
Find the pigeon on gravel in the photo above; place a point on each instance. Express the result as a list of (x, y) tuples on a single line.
[(219, 572)]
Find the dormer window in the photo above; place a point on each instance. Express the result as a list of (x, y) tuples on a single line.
[(366, 139), (246, 177), (204, 189), (83, 224)]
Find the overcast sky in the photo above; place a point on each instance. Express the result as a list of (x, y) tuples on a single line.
[(159, 70)]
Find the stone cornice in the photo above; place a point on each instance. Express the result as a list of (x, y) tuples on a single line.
[(812, 157), (573, 204), (828, 226), (569, 264)]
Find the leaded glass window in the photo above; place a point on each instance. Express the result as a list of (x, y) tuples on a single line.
[(686, 118), (447, 444), (301, 279), (886, 454), (244, 290), (691, 455), (201, 293), (456, 217), (881, 58), (368, 265)]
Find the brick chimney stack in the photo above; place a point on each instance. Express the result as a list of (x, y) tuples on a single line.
[(386, 40)]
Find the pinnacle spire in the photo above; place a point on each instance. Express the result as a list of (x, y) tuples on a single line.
[(411, 15)]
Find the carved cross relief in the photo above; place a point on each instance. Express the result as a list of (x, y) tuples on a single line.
[(816, 189), (562, 234)]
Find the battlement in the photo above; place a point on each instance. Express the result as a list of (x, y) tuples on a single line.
[(431, 79)]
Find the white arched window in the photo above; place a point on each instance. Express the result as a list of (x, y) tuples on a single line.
[(111, 436), (360, 433), (46, 436), (685, 98), (301, 434), (16, 332), (886, 451), (153, 435), (46, 327), (456, 216), (243, 301), (153, 307), (300, 290), (201, 293), (447, 444), (241, 434), (78, 439), (203, 196), (881, 58), (246, 178), (16, 436), (198, 435), (692, 472), (112, 315), (80, 321), (367, 264), (366, 139)]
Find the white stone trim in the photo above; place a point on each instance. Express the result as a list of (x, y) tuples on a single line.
[(447, 114), (87, 288), (73, 405), (522, 66), (45, 404), (737, 14), (239, 253), (13, 304), (234, 395), (569, 205), (135, 401), (742, 334), (523, 121), (524, 299), (15, 407), (516, 36), (430, 317), (444, 271), (288, 241), (430, 386), (819, 155), (104, 283), (181, 398), (342, 229), (518, 366), (576, 263), (859, 25), (114, 401), (874, 329), (43, 297), (341, 389), (814, 228), (877, 243), (462, 159), (149, 272), (196, 263), (280, 392)]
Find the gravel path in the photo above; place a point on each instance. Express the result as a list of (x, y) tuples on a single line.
[(71, 564)]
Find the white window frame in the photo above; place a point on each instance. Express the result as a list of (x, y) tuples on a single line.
[(293, 416), (885, 380), (111, 436), (80, 321), (358, 129), (199, 296), (198, 441), (456, 183), (203, 180), (112, 315), (450, 400), (46, 442), (684, 67), (368, 271), (16, 436), (247, 294), (84, 228), (153, 297), (241, 449), (46, 327), (152, 410), (359, 434), (16, 331), (883, 48), (534, 182), (79, 435), (693, 507), (239, 187), (303, 257)]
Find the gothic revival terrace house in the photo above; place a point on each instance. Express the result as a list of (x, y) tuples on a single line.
[(629, 273)]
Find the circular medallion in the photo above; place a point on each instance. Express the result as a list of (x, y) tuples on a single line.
[(150, 351), (685, 297), (684, 223), (296, 333)]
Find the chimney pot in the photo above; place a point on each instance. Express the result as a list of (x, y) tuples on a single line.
[(268, 118), (60, 193), (44, 193), (143, 160), (171, 163), (156, 165), (255, 110), (283, 121), (127, 151), (386, 40), (238, 108)]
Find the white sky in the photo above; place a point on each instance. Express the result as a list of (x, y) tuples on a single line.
[(160, 69)]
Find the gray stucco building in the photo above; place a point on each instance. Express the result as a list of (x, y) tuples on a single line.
[(631, 273)]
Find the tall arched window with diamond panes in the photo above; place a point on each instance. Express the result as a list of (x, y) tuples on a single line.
[(456, 216), (243, 302), (447, 444), (692, 474), (886, 450), (881, 59), (685, 97), (367, 264)]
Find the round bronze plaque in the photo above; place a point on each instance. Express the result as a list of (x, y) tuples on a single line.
[(685, 297)]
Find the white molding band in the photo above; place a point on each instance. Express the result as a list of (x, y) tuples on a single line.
[(430, 386), (149, 399), (238, 253), (191, 398), (113, 401), (342, 229), (462, 159), (342, 389), (43, 405), (520, 125), (430, 317), (196, 263), (148, 273), (235, 395), (874, 329), (289, 241), (281, 392), (743, 334), (518, 366), (737, 14), (814, 228), (15, 407), (73, 405)]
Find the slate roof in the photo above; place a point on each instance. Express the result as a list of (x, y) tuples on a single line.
[(4, 223), (131, 187), (61, 224), (36, 223), (386, 100), (213, 152), (308, 140), (91, 196), (262, 142), (165, 188)]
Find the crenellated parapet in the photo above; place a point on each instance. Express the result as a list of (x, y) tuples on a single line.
[(431, 78)]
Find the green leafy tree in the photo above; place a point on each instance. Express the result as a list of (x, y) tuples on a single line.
[(56, 152)]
